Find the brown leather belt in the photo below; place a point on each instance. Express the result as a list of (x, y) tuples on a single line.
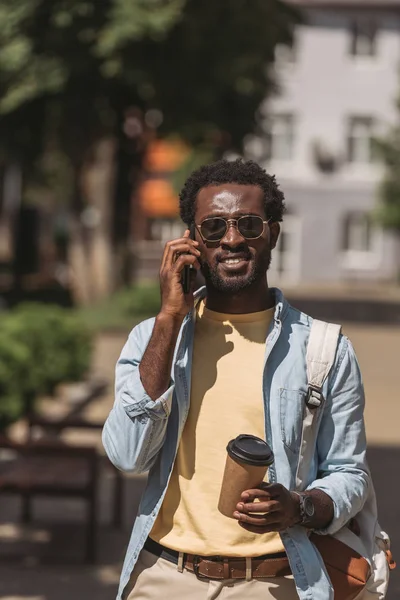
[(220, 567)]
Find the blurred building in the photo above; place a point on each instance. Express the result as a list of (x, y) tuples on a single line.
[(338, 90)]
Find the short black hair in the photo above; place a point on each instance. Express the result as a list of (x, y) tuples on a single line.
[(240, 171)]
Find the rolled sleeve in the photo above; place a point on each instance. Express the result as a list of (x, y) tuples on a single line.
[(341, 445), (135, 430), (154, 409)]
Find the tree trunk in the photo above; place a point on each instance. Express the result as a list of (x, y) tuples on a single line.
[(77, 253), (99, 181), (131, 154), (90, 251)]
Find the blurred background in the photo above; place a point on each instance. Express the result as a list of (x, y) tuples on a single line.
[(105, 109)]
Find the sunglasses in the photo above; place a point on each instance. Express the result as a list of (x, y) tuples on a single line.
[(251, 227)]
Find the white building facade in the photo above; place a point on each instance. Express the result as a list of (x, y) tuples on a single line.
[(338, 90)]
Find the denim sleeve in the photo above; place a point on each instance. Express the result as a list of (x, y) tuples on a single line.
[(136, 427), (341, 443)]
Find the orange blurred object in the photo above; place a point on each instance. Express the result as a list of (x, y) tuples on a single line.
[(158, 199), (156, 195), (165, 156)]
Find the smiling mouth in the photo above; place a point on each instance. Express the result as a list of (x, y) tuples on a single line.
[(233, 264), (232, 261)]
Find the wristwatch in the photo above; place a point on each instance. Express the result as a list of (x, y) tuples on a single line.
[(307, 508)]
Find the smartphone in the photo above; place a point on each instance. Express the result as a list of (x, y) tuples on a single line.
[(187, 269)]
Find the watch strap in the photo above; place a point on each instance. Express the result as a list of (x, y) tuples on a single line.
[(304, 517)]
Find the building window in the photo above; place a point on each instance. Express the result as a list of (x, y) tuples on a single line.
[(280, 137), (359, 140), (357, 232), (363, 37), (361, 242)]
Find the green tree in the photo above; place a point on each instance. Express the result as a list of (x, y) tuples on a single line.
[(388, 209), (89, 83)]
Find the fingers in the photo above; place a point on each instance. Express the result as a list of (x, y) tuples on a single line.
[(264, 492), (271, 506), (265, 515), (176, 247), (185, 259), (269, 520)]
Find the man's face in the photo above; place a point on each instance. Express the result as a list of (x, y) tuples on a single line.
[(234, 263)]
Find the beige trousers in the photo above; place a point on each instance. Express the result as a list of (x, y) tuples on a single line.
[(155, 578)]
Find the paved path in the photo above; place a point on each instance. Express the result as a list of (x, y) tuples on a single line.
[(43, 562)]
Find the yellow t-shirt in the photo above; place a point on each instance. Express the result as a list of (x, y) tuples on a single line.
[(226, 400)]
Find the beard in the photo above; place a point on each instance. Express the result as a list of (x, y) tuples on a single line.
[(234, 283)]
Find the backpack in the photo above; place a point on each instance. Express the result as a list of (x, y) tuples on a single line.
[(370, 541)]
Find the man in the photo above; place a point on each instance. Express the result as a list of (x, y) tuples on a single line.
[(227, 361)]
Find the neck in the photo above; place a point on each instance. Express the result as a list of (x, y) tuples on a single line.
[(256, 298)]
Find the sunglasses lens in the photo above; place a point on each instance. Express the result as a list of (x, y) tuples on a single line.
[(213, 229), (250, 227)]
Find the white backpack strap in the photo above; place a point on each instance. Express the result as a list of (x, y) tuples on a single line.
[(321, 352)]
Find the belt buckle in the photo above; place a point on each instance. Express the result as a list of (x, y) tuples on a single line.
[(196, 561)]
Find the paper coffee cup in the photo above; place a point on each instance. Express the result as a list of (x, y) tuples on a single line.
[(246, 464)]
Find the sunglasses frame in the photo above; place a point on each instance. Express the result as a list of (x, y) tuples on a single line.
[(228, 224)]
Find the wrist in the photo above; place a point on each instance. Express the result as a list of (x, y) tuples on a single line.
[(306, 508), (296, 508), (169, 318)]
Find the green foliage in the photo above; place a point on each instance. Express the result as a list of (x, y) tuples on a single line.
[(203, 64), (132, 21), (24, 74), (40, 347), (14, 366), (210, 74), (125, 308), (59, 343), (139, 300), (388, 209)]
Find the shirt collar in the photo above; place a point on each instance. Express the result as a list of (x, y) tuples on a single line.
[(281, 304)]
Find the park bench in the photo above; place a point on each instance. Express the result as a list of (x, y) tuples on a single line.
[(53, 428), (45, 465), (52, 469)]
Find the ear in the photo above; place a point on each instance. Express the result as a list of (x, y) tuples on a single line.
[(274, 231)]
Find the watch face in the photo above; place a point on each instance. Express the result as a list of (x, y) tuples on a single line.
[(309, 508)]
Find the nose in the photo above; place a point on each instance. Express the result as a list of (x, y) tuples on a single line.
[(232, 237)]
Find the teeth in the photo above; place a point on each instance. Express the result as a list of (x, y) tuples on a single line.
[(232, 261)]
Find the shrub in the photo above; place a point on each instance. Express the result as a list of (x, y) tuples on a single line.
[(14, 370), (141, 300), (41, 346), (124, 309), (59, 343)]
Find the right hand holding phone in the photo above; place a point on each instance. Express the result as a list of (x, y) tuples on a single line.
[(177, 254)]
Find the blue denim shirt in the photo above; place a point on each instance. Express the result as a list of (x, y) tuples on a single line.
[(141, 434)]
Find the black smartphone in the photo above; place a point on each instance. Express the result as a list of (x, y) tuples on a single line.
[(187, 269)]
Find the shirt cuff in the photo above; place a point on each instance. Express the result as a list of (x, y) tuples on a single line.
[(143, 405)]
